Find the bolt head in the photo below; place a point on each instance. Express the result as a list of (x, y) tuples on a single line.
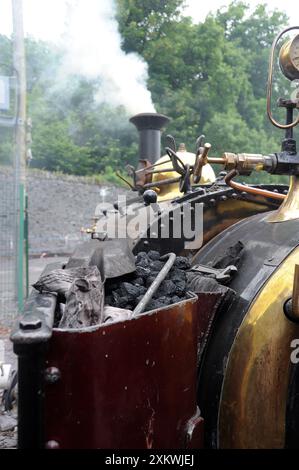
[(30, 322), (52, 445), (52, 375)]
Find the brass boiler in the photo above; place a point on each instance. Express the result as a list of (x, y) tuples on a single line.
[(249, 379), (246, 386)]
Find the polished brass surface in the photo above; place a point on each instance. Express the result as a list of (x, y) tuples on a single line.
[(245, 163), (254, 394), (229, 212), (289, 209), (289, 58), (93, 228), (171, 190), (295, 296)]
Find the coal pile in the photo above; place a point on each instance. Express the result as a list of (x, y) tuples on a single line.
[(127, 291)]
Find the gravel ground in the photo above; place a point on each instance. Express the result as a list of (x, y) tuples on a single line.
[(8, 421)]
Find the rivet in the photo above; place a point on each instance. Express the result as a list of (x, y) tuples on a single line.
[(52, 445), (52, 375)]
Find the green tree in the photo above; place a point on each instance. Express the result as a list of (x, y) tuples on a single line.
[(208, 77)]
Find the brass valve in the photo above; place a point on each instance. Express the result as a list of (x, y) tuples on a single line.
[(245, 163), (93, 228)]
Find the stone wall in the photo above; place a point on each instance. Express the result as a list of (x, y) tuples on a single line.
[(59, 206)]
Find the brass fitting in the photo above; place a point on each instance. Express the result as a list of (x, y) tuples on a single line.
[(91, 229), (245, 163)]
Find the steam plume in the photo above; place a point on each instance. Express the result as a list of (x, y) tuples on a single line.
[(93, 50)]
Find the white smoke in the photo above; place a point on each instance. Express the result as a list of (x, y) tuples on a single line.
[(93, 49)]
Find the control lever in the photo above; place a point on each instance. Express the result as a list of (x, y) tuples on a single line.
[(201, 160), (181, 169)]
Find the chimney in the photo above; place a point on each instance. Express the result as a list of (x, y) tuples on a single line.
[(149, 126)]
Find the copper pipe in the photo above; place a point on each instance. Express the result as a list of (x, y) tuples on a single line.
[(152, 166), (125, 181), (249, 189), (220, 161), (164, 170), (161, 183)]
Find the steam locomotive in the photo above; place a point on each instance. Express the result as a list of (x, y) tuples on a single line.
[(216, 368)]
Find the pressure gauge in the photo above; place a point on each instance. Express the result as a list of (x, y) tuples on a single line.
[(289, 59)]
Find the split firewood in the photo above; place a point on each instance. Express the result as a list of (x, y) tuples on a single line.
[(84, 301)]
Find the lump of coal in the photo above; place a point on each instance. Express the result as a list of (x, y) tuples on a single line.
[(144, 262), (180, 287), (156, 265), (154, 255), (154, 305), (143, 272), (138, 282), (232, 255), (129, 290), (182, 263), (150, 280), (177, 275), (123, 302), (166, 288), (141, 255)]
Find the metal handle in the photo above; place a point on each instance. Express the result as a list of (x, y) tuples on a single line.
[(156, 284), (201, 160)]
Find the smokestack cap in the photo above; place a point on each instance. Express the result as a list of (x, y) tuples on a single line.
[(153, 121)]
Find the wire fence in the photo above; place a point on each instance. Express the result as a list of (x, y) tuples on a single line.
[(9, 206), (8, 246)]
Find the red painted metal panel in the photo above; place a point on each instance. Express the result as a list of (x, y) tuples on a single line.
[(130, 384)]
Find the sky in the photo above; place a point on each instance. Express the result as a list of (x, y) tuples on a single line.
[(198, 9), (45, 19)]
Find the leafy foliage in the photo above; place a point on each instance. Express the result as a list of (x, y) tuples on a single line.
[(208, 77)]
